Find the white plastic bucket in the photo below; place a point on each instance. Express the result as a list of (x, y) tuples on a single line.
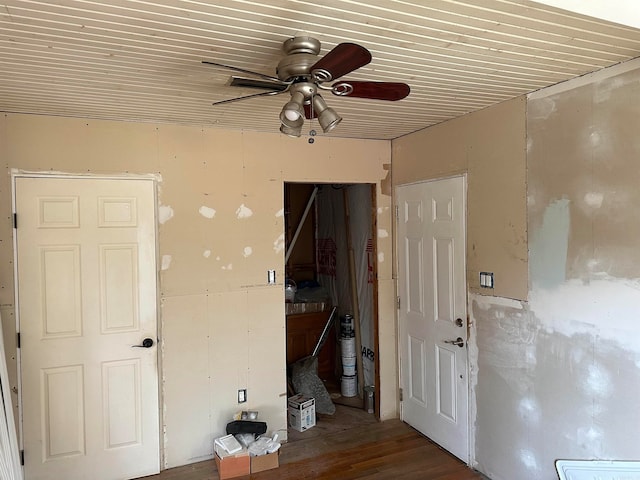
[(349, 365), (348, 386), (348, 346)]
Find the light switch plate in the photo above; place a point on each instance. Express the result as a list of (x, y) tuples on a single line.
[(486, 279), (242, 395)]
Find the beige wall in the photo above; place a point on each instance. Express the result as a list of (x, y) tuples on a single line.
[(489, 146), (222, 326)]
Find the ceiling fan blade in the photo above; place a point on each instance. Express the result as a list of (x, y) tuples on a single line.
[(257, 83), (237, 99), (249, 72), (373, 90), (309, 113), (344, 58)]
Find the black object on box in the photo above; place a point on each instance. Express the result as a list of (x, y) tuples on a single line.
[(246, 426)]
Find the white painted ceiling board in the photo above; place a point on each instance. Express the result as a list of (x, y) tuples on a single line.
[(141, 61)]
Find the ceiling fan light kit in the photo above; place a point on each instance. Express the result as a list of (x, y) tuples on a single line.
[(303, 75)]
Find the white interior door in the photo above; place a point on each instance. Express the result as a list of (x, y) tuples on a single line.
[(86, 262), (432, 314)]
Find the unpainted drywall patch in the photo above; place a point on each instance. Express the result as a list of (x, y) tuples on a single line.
[(206, 253), (243, 212), (247, 252), (382, 233), (605, 307), (549, 244), (594, 199), (165, 213), (541, 109), (528, 459), (207, 212), (278, 245), (166, 262)]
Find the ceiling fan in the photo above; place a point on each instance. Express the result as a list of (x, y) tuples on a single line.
[(304, 76)]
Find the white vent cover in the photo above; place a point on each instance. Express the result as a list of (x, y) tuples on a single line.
[(598, 470)]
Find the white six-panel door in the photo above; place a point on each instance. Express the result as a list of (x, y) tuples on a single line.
[(86, 263), (432, 314)]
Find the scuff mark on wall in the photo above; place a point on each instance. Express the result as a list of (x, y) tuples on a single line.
[(243, 212), (166, 262), (548, 246), (165, 213), (280, 213), (207, 212)]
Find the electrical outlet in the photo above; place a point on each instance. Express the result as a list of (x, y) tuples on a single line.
[(242, 395)]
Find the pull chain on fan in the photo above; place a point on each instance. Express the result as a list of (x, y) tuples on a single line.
[(303, 76)]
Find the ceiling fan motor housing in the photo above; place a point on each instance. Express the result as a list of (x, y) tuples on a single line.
[(301, 55)]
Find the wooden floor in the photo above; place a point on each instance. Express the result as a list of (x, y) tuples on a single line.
[(368, 450)]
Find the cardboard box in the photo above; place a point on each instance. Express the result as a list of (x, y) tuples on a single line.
[(265, 462), (302, 412), (234, 465)]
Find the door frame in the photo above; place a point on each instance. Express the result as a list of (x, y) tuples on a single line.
[(470, 407), (156, 179), (375, 287)]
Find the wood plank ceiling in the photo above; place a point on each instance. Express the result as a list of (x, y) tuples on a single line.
[(140, 60)]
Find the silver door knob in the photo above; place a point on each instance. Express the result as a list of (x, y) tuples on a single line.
[(458, 341)]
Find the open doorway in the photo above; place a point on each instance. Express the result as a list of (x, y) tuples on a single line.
[(330, 263)]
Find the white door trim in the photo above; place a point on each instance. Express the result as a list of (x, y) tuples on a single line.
[(156, 179)]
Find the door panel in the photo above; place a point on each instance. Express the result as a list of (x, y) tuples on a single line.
[(432, 290), (87, 294)]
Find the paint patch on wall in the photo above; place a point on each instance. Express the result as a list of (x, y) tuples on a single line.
[(206, 253), (278, 245), (207, 212), (247, 252), (380, 257), (280, 213), (227, 267), (382, 233), (599, 308), (528, 459), (243, 212), (549, 244), (165, 213), (529, 410), (166, 262), (594, 199)]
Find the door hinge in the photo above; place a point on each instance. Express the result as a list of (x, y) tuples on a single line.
[(400, 394), (398, 302), (22, 457), (397, 212), (18, 340), (15, 220)]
